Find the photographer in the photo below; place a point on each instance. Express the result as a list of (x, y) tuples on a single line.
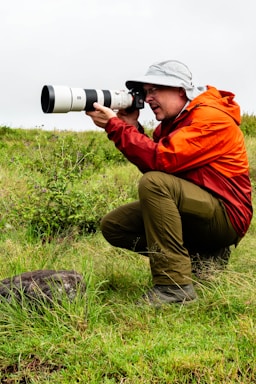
[(195, 192)]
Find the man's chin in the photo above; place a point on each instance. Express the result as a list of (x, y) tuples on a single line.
[(158, 118)]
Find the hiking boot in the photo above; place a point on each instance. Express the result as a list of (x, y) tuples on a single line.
[(169, 294), (206, 264)]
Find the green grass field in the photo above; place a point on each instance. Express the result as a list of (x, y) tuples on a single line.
[(49, 179)]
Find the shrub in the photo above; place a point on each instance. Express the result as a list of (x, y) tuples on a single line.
[(65, 186), (248, 125)]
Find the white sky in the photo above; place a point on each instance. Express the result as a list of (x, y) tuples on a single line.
[(102, 43)]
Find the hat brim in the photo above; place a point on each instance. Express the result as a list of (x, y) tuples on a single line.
[(156, 80), (169, 81)]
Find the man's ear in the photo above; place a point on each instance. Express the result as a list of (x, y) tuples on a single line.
[(182, 92)]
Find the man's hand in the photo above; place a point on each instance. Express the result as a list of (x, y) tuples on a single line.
[(101, 115)]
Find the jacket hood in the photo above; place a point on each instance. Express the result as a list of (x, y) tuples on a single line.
[(222, 100)]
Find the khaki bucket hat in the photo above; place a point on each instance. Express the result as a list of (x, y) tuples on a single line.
[(170, 73)]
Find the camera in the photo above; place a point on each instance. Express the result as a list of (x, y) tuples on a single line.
[(62, 99)]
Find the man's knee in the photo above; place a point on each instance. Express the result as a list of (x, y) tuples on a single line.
[(157, 183), (107, 228)]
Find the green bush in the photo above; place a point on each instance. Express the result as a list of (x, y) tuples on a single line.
[(35, 150), (248, 125), (66, 181), (62, 192)]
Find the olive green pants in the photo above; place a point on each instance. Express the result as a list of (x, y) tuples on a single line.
[(171, 216)]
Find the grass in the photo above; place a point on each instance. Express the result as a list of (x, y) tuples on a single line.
[(104, 337)]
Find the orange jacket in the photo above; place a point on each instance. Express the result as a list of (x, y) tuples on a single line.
[(203, 145)]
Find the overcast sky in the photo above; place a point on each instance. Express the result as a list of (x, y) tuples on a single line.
[(102, 43)]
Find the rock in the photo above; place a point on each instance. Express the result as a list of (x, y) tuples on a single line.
[(46, 285)]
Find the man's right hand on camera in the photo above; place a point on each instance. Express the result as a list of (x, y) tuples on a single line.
[(101, 115)]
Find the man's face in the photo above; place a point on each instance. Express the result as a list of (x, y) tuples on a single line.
[(165, 102)]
